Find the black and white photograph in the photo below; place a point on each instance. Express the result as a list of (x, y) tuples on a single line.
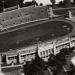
[(37, 37)]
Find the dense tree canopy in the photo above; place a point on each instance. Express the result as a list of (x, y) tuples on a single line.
[(33, 2), (35, 67), (62, 59), (67, 2), (53, 2), (1, 6)]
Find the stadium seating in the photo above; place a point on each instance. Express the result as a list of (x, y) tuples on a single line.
[(19, 21), (22, 15), (9, 15), (21, 12), (16, 21)]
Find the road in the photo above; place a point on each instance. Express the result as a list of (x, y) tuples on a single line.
[(60, 11)]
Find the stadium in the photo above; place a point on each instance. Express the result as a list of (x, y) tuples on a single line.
[(27, 30)]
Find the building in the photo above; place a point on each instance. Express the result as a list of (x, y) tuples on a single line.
[(25, 16), (20, 56)]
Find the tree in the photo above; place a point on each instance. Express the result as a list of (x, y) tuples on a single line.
[(58, 61), (61, 61), (60, 3), (34, 3), (31, 3), (51, 60), (41, 4), (8, 3), (32, 69), (20, 2), (67, 2), (35, 67), (53, 2)]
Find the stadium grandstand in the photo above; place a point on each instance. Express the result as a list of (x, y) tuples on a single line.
[(21, 16), (21, 55), (38, 23)]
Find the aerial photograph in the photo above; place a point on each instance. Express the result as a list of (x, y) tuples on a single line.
[(37, 37)]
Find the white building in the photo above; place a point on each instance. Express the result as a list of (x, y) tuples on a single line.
[(44, 50)]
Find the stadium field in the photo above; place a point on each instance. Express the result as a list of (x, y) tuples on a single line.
[(47, 29)]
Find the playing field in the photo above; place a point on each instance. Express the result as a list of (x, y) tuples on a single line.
[(48, 29)]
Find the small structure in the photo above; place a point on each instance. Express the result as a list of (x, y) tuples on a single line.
[(45, 49), (70, 14), (50, 11)]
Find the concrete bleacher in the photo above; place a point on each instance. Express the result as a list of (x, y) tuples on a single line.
[(22, 15), (9, 15), (15, 22), (18, 21)]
